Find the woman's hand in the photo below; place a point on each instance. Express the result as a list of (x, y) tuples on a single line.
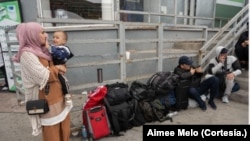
[(47, 44), (62, 68)]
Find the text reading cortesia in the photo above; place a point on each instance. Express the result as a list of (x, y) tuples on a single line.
[(191, 132)]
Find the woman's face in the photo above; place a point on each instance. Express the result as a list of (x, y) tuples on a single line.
[(43, 37)]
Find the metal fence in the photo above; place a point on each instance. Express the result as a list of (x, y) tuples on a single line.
[(151, 49)]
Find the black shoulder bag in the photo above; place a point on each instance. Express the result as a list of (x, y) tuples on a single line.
[(40, 106)]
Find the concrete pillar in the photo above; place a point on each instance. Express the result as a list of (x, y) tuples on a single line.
[(107, 10)]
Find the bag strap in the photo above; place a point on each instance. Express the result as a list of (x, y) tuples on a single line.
[(169, 75), (135, 105), (46, 90), (116, 126)]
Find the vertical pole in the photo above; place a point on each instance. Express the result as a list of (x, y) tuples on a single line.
[(122, 51), (192, 10), (160, 47), (39, 10), (185, 11), (117, 13), (175, 12), (107, 10), (99, 75), (214, 11)]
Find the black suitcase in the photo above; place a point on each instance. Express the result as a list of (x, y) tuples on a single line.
[(181, 95)]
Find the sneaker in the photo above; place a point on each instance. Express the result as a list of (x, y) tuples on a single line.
[(203, 97), (4, 88), (192, 103), (172, 114), (225, 99)]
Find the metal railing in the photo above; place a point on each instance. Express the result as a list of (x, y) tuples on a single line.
[(121, 40), (149, 16), (159, 53), (230, 33)]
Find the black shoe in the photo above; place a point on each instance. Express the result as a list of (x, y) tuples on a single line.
[(203, 107), (211, 103)]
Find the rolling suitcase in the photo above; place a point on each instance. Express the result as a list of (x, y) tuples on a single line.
[(96, 122), (182, 95)]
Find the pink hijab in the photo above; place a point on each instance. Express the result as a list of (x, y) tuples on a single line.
[(29, 40)]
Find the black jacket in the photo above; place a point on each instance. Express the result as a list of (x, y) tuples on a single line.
[(186, 75)]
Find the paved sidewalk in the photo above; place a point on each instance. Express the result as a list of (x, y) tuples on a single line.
[(15, 124)]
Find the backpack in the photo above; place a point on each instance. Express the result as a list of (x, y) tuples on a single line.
[(117, 93), (147, 111), (154, 110), (162, 82), (139, 117), (159, 110), (140, 91), (121, 115), (120, 107), (95, 97)]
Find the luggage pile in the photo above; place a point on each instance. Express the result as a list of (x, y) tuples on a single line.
[(115, 108)]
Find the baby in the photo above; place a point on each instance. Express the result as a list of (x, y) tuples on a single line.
[(58, 50), (60, 55)]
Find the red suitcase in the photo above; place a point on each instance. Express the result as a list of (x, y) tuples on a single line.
[(96, 121)]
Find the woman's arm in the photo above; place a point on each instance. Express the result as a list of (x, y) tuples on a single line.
[(32, 69)]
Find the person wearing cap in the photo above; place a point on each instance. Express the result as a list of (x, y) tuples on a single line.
[(225, 67), (188, 72)]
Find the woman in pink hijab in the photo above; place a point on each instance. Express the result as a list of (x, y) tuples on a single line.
[(37, 69)]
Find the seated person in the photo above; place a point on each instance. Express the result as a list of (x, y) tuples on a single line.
[(186, 71), (225, 68), (241, 50)]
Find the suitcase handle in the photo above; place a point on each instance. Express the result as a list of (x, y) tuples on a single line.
[(95, 109)]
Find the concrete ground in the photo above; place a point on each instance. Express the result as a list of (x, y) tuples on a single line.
[(15, 125)]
